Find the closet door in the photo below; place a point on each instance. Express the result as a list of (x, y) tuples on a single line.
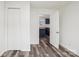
[(14, 28), (17, 25)]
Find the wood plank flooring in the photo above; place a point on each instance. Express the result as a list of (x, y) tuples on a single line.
[(44, 49)]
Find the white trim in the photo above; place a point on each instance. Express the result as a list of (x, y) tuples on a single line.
[(65, 46)]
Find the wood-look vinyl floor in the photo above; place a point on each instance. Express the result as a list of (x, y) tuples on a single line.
[(44, 49)]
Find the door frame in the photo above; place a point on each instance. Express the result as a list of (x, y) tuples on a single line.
[(54, 14)]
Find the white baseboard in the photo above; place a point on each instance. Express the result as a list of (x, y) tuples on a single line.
[(74, 51)]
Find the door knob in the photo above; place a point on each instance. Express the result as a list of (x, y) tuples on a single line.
[(57, 32)]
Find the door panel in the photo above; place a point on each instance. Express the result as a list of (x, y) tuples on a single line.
[(54, 31), (14, 28)]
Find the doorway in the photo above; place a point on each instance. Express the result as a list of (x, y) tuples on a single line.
[(44, 28)]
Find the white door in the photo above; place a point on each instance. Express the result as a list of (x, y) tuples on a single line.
[(54, 29), (17, 25), (14, 28)]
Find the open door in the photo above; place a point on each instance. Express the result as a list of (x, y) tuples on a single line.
[(54, 29)]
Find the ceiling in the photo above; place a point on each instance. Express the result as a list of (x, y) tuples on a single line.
[(49, 4)]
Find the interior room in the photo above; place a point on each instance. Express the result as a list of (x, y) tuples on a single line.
[(39, 28), (44, 28)]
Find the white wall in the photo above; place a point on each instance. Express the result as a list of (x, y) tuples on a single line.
[(34, 26), (69, 27), (2, 40)]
